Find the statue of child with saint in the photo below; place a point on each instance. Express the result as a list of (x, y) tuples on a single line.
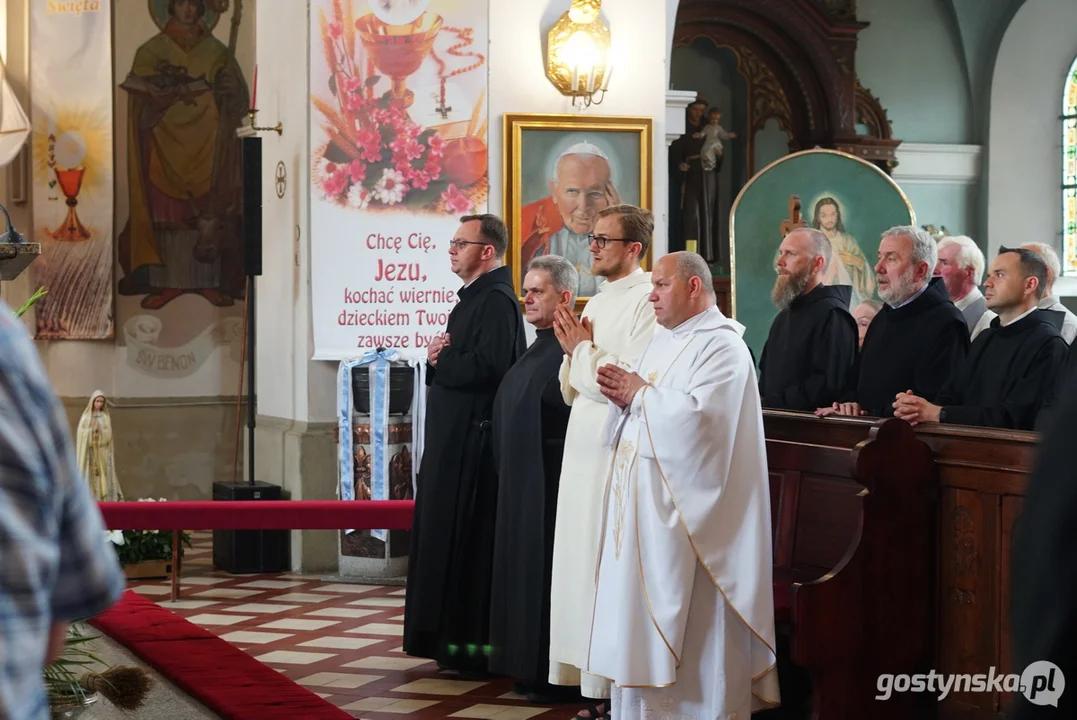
[(95, 450)]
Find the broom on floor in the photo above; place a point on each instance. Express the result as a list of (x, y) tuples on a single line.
[(123, 686)]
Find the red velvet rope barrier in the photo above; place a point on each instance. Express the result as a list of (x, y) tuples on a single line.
[(259, 515)]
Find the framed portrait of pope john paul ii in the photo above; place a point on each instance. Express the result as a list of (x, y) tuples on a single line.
[(560, 172)]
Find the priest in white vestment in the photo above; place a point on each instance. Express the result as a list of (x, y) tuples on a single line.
[(617, 324), (684, 611)]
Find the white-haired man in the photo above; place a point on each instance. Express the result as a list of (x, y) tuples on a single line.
[(684, 611), (560, 224), (961, 267), (917, 339), (1050, 301), (809, 354)]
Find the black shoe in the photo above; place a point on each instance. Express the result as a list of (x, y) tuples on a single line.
[(523, 688), (548, 694), (474, 675)]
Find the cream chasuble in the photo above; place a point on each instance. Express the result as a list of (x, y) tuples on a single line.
[(622, 321), (684, 611)]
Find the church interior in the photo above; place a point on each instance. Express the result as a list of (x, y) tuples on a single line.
[(186, 205)]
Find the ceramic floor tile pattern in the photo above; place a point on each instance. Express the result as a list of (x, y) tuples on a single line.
[(338, 640)]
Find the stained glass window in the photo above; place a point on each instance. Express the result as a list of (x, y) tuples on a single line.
[(1069, 171)]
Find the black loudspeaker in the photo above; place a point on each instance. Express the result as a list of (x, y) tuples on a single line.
[(250, 551), (252, 205)]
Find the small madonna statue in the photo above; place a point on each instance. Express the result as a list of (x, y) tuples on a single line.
[(96, 453)]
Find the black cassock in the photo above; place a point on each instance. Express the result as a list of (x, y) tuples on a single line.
[(1043, 577), (530, 420), (915, 347), (446, 612), (810, 352), (1009, 374)]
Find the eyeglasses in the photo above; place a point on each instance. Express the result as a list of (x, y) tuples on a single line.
[(601, 241), (458, 245)]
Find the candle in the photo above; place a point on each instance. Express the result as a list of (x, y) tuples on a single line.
[(607, 71), (575, 77), (254, 91)]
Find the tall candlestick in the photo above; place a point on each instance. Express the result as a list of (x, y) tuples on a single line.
[(254, 91)]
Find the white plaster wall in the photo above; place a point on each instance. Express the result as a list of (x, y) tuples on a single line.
[(1025, 142), (905, 43), (283, 290)]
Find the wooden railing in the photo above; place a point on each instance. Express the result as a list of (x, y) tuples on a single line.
[(978, 482)]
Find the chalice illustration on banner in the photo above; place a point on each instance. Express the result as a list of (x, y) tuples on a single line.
[(398, 35), (70, 152)]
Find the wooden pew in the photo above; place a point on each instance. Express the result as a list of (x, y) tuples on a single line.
[(978, 479), (853, 541)]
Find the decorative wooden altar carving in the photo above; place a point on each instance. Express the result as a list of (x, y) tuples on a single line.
[(798, 58)]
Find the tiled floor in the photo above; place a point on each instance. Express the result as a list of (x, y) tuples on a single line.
[(341, 641)]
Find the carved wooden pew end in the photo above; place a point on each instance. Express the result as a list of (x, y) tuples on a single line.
[(854, 565)]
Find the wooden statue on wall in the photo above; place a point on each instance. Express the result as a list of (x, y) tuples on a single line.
[(794, 220)]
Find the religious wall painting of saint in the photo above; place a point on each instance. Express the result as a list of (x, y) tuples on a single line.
[(561, 171), (398, 89), (186, 97), (851, 201)]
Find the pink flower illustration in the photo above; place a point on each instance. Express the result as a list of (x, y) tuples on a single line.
[(455, 201)]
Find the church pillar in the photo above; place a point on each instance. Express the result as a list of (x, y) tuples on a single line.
[(294, 444), (676, 107)]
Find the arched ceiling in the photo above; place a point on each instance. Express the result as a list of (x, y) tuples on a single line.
[(981, 25)]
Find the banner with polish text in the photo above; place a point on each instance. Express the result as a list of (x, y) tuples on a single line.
[(399, 138), (72, 182)]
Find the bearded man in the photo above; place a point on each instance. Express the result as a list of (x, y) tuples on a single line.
[(917, 340), (811, 349)]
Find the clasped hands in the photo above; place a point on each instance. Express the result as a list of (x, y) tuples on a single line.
[(569, 330), (913, 409), (618, 385), (907, 406), (439, 343)]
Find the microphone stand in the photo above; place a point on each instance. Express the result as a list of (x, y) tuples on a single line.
[(251, 397), (12, 235)]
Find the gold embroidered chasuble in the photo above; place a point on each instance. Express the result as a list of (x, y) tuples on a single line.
[(683, 612)]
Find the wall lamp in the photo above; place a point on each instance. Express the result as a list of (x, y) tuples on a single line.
[(578, 54)]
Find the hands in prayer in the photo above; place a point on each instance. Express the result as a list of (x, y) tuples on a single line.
[(845, 408), (569, 330), (439, 343), (915, 409), (618, 385)]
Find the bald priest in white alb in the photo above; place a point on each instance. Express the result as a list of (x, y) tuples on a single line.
[(684, 613)]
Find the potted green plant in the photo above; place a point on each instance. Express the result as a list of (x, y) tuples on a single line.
[(72, 687), (146, 553)]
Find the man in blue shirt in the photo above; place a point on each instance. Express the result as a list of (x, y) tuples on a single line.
[(56, 565)]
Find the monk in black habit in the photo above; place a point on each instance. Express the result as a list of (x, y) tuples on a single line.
[(1043, 579), (1013, 365), (919, 338), (809, 355), (447, 606), (530, 421)]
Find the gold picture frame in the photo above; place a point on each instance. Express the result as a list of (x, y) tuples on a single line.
[(534, 144)]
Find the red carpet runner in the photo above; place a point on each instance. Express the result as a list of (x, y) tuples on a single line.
[(223, 678)]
